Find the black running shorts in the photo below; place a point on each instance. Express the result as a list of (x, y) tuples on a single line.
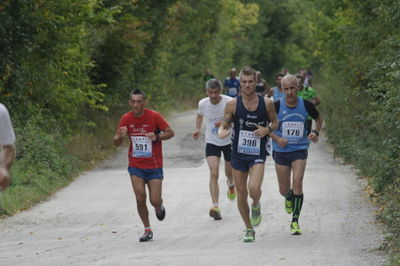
[(214, 150)]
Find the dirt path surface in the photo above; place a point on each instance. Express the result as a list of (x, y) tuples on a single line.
[(94, 220)]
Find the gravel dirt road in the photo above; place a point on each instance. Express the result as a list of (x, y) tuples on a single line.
[(94, 220)]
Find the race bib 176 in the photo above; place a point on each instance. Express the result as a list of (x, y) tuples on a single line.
[(293, 131)]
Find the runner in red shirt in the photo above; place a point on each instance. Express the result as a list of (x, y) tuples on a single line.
[(145, 129)]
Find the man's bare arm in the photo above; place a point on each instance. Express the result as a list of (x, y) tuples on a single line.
[(263, 131), (120, 132), (168, 133), (315, 100), (164, 135), (274, 123), (199, 121), (282, 142), (225, 128), (313, 136), (7, 156)]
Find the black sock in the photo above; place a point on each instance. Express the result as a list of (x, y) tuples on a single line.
[(289, 195), (297, 204)]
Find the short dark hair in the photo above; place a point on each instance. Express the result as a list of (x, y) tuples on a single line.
[(213, 84), (299, 76), (137, 92), (279, 75), (247, 71)]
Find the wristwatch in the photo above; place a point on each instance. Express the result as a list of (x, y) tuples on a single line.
[(269, 130), (316, 132)]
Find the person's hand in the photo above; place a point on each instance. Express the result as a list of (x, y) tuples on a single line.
[(217, 124), (4, 179), (151, 135), (261, 131), (223, 133), (196, 134), (123, 130), (313, 137), (282, 142)]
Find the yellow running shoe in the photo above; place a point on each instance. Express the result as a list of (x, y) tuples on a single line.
[(288, 206), (250, 235), (215, 212), (295, 229), (231, 192), (255, 219)]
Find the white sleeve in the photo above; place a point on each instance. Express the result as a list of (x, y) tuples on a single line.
[(202, 107), (7, 136)]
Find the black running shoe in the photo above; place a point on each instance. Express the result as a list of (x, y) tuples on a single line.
[(148, 235), (161, 214)]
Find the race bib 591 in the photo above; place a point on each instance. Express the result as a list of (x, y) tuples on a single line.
[(142, 147)]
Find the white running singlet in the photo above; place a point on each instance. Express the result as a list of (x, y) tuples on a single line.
[(7, 136), (212, 114)]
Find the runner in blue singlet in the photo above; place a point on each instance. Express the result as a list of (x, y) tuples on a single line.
[(277, 91), (290, 146)]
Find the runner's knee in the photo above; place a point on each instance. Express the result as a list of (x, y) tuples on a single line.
[(283, 190), (254, 191), (140, 197), (241, 191), (155, 202), (214, 173)]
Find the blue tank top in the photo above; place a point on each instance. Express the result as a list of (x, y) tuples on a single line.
[(233, 85), (245, 143), (292, 126), (278, 95)]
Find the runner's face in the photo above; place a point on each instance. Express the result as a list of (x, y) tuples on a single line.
[(214, 94), (290, 89), (278, 81), (137, 103), (300, 83), (248, 84)]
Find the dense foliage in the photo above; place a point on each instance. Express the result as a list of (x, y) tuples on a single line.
[(357, 43), (66, 68)]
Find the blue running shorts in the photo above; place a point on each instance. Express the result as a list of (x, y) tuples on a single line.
[(146, 174), (245, 163), (286, 158)]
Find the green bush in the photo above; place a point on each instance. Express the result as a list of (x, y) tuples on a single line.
[(357, 42), (42, 166)]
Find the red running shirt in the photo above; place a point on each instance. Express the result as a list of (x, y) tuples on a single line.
[(144, 153)]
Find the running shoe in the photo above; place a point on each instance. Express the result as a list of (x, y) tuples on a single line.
[(215, 212), (250, 235), (295, 229), (161, 214), (288, 206), (231, 192), (255, 215), (148, 235)]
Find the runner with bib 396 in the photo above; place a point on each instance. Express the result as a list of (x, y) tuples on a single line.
[(254, 118)]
